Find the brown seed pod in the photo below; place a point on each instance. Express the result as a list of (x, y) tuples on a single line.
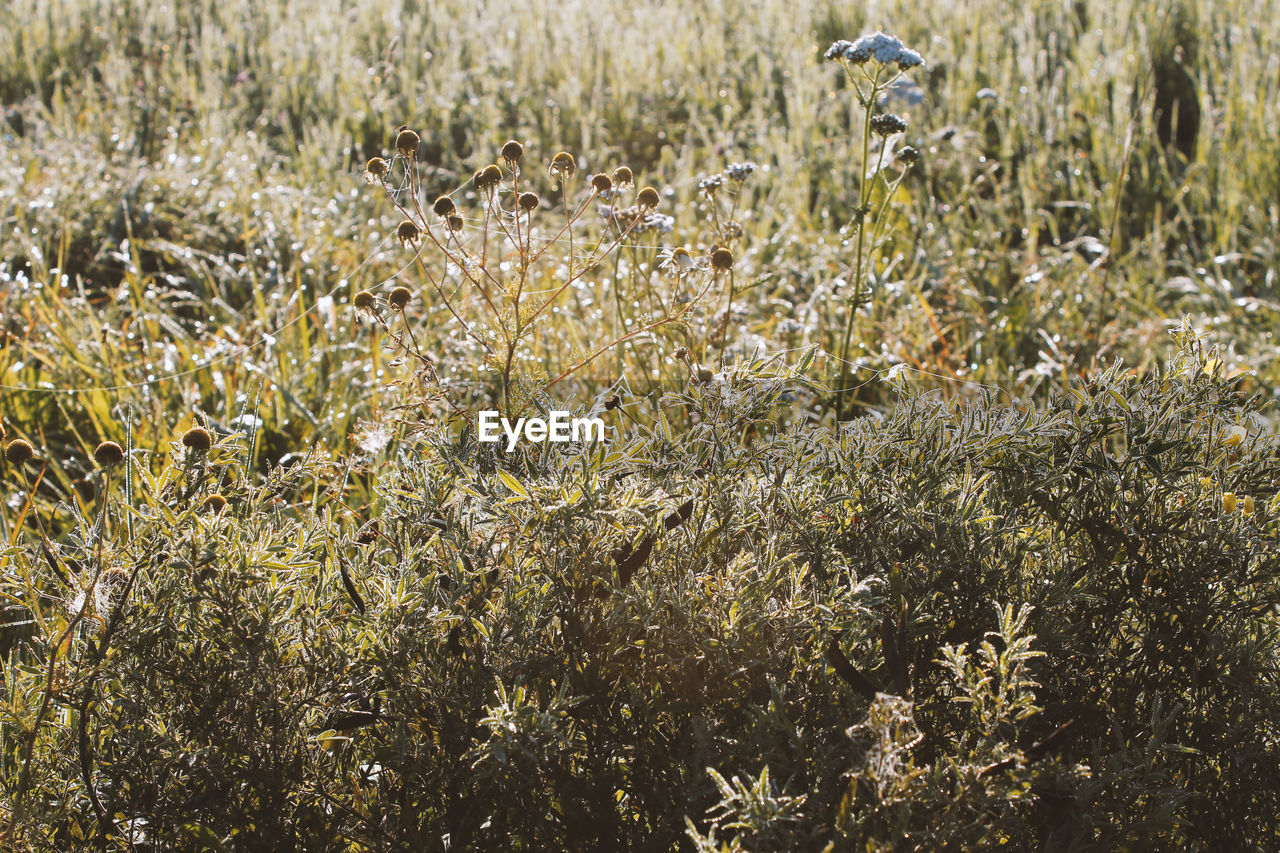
[(622, 177), (363, 301), (454, 222), (408, 233), (648, 198), (612, 403), (487, 178), (721, 258), (213, 504), (19, 451), (407, 142), (376, 169), (399, 298), (601, 183), (368, 534), (444, 206), (512, 152), (528, 201), (562, 166), (108, 453), (198, 438)]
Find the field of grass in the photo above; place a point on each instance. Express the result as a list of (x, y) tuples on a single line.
[(950, 524)]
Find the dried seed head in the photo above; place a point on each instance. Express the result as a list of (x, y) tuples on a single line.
[(739, 172), (368, 534), (648, 198), (623, 178), (528, 201), (721, 258), (908, 155), (376, 170), (562, 166), (408, 233), (487, 178), (601, 183), (399, 298), (888, 124), (198, 438), (612, 403), (407, 142), (363, 302), (213, 504), (108, 453), (512, 152), (444, 206), (19, 451), (682, 354), (454, 222)]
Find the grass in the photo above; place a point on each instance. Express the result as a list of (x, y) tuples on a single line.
[(183, 233)]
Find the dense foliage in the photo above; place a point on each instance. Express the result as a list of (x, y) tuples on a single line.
[(949, 628)]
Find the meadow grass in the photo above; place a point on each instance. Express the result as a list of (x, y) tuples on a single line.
[(184, 235)]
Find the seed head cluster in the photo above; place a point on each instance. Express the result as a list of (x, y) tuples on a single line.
[(888, 124), (880, 47)]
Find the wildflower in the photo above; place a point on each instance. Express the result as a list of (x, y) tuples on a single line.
[(19, 451), (408, 233), (444, 206), (375, 171), (678, 260), (1246, 505), (487, 178), (562, 166), (407, 141), (739, 172), (199, 439), (108, 453), (601, 183), (888, 124), (884, 49), (908, 155), (648, 198), (399, 298), (1228, 502), (528, 201), (709, 185), (623, 178), (213, 504), (721, 259), (511, 153)]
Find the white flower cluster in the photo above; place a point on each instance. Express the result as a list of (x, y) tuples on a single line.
[(884, 49)]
